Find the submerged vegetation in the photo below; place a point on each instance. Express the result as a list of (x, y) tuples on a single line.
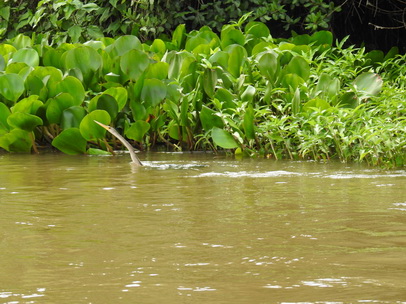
[(306, 97)]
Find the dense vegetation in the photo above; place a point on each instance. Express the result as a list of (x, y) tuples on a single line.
[(242, 90), (232, 87)]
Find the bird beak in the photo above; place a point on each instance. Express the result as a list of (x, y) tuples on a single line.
[(102, 125)]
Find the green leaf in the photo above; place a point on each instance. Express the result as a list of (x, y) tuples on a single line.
[(269, 66), (85, 58), (209, 81), (70, 141), (248, 122), (120, 94), (238, 56), (16, 140), (248, 94), (158, 47), (134, 63), (72, 117), (328, 86), (153, 92), (24, 121), (74, 33), (179, 36), (124, 44), (296, 104), (137, 130), (369, 84), (70, 85), (257, 29), (299, 66), (223, 139), (315, 103), (104, 102), (11, 86), (56, 105), (89, 129), (209, 119), (4, 113), (231, 35), (26, 55), (158, 70), (28, 105), (94, 151)]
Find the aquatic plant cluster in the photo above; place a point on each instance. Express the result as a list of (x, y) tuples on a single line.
[(306, 97)]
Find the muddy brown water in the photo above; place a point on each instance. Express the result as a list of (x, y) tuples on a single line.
[(199, 228)]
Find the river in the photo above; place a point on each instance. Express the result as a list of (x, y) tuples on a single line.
[(199, 228)]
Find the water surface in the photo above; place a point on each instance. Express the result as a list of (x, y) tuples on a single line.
[(199, 228)]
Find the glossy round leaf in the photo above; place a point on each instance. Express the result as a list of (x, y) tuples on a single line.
[(70, 85), (84, 58), (134, 63), (16, 140), (153, 92), (89, 129), (27, 55), (120, 94), (124, 44), (72, 117), (28, 105), (231, 35), (257, 29), (158, 70), (11, 86), (268, 65), (56, 105), (137, 130), (299, 66), (70, 141), (24, 121)]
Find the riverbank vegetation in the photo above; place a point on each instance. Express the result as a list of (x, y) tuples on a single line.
[(242, 90)]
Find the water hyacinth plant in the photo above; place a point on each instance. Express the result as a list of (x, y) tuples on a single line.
[(242, 90)]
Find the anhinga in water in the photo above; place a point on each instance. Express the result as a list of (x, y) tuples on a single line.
[(130, 148)]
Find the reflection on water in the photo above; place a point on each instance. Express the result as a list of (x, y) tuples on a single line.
[(196, 228)]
